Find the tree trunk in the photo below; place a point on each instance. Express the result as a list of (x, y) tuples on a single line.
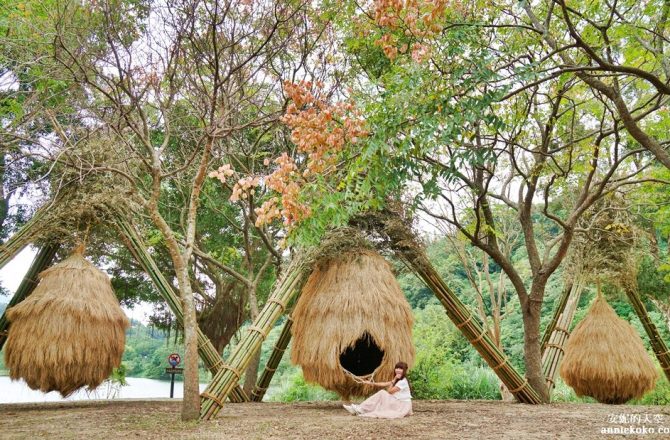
[(505, 395), (251, 373), (532, 341), (191, 401)]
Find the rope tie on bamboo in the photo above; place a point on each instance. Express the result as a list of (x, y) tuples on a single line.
[(499, 365), (276, 348), (479, 338), (558, 347), (549, 379), (258, 330), (231, 369), (271, 370), (257, 389), (519, 388), (659, 354), (561, 329), (213, 398), (464, 322), (278, 302)]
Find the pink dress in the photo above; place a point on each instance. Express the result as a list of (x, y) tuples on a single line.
[(385, 405)]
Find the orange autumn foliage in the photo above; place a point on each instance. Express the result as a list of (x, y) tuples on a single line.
[(320, 130)]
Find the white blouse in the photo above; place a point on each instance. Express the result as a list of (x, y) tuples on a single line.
[(404, 393)]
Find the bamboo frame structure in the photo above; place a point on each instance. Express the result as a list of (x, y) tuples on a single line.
[(466, 322), (657, 344), (553, 351), (557, 313), (277, 353), (22, 238), (406, 246), (42, 260), (208, 353), (224, 380), (226, 375)]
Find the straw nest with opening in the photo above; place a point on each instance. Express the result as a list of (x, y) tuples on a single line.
[(351, 315), (70, 332), (606, 359)]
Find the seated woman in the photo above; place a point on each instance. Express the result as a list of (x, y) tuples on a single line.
[(392, 403)]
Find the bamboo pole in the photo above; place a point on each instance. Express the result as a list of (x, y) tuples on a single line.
[(208, 353), (271, 366), (404, 243), (22, 238), (553, 352), (221, 385), (657, 344), (41, 261), (567, 290)]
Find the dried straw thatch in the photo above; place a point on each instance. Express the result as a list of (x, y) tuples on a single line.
[(70, 332), (606, 359), (351, 314)]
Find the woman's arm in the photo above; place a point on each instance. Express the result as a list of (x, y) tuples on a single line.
[(390, 383), (398, 386), (379, 384)]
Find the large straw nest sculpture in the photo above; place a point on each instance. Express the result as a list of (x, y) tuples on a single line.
[(351, 310), (70, 332), (606, 359)]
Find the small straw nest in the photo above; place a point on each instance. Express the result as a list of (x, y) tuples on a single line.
[(344, 298), (70, 332), (606, 359)]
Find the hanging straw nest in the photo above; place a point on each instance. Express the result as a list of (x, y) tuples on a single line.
[(606, 359), (70, 332), (351, 315)]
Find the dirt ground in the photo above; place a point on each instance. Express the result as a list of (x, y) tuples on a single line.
[(159, 419)]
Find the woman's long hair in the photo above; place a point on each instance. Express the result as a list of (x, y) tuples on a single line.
[(404, 367)]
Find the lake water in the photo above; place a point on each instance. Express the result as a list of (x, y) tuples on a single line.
[(137, 388)]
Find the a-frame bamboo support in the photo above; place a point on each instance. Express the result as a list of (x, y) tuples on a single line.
[(41, 261), (657, 344), (553, 351), (406, 246), (223, 382), (277, 353), (466, 322), (208, 353), (29, 231)]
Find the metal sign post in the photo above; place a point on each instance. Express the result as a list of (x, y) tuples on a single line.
[(174, 359)]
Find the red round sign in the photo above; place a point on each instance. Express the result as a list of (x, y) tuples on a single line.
[(174, 359)]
